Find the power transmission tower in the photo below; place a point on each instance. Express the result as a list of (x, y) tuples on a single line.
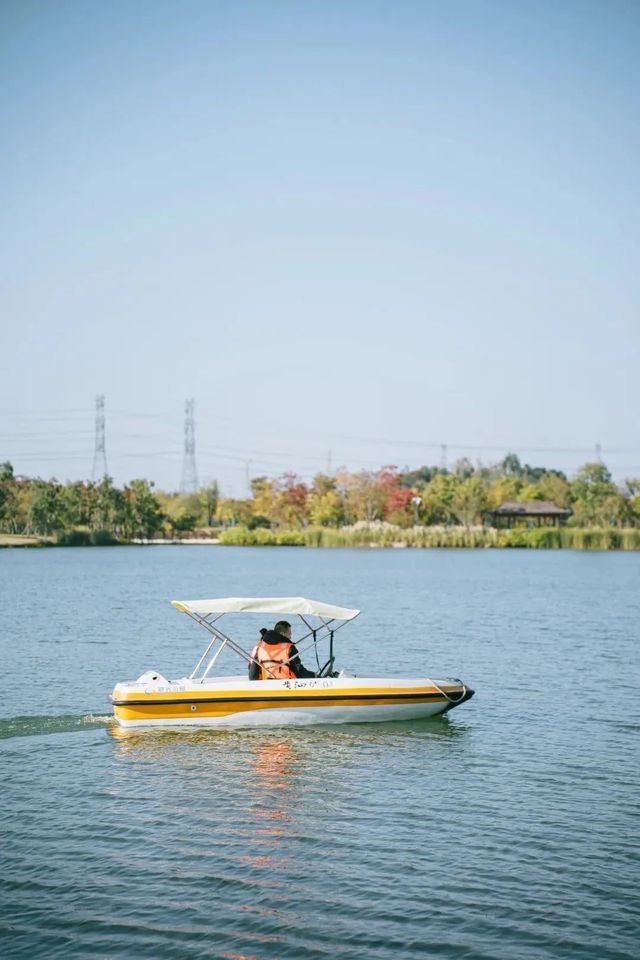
[(100, 455), (443, 457), (189, 473), (598, 453)]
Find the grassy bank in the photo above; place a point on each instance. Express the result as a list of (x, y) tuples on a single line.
[(543, 538), (22, 540)]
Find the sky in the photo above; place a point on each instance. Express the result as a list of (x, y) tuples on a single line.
[(352, 232)]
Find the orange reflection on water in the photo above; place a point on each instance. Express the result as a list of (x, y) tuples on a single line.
[(274, 764), (273, 783)]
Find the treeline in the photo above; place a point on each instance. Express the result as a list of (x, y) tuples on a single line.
[(392, 499), (465, 496)]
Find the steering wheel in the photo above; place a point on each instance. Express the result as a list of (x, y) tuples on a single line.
[(326, 670)]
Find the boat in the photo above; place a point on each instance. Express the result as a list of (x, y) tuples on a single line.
[(205, 700)]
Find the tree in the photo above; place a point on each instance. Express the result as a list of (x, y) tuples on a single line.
[(324, 505), (290, 504), (263, 494), (502, 490), (511, 466), (531, 491), (77, 504), (591, 492), (44, 507), (6, 472), (364, 497), (437, 499), (209, 497), (470, 501), (399, 507), (7, 495), (183, 523), (230, 512), (633, 486), (109, 507), (326, 510), (416, 478), (463, 468), (143, 513), (554, 487)]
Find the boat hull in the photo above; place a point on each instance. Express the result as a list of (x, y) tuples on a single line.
[(239, 703)]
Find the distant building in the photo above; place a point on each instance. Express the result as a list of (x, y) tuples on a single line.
[(533, 513)]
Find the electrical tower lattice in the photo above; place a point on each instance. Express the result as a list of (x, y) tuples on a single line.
[(100, 455), (189, 472)]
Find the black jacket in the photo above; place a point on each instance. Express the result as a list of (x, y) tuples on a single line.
[(270, 636)]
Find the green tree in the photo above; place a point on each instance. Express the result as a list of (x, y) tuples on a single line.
[(324, 504), (437, 499), (555, 488), (592, 492), (44, 507), (209, 499), (186, 521), (230, 512), (109, 508), (463, 468), (326, 509), (412, 479), (77, 504), (143, 514), (7, 494), (263, 493), (470, 501), (502, 490), (511, 466), (531, 491)]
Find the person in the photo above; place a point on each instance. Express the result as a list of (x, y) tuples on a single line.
[(275, 657)]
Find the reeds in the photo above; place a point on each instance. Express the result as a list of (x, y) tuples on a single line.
[(536, 538)]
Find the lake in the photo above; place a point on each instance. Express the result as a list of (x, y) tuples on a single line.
[(508, 829)]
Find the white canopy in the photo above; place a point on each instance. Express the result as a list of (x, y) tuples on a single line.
[(311, 608)]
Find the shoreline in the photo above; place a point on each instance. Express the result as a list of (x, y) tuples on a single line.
[(415, 538)]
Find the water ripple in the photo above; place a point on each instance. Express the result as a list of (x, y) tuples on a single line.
[(506, 831)]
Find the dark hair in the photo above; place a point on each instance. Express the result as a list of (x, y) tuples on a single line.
[(281, 626), (263, 630)]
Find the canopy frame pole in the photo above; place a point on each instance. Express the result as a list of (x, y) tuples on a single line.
[(314, 631), (219, 635), (204, 676), (329, 629), (328, 625), (215, 637)]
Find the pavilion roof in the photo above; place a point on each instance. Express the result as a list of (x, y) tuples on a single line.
[(530, 508)]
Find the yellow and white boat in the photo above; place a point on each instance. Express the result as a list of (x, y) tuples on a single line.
[(204, 700)]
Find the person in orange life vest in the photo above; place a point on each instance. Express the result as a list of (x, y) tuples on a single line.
[(275, 657)]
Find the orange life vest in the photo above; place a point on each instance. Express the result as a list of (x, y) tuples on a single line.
[(273, 658)]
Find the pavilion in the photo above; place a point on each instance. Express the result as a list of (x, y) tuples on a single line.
[(539, 513)]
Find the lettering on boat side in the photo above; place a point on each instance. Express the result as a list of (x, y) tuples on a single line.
[(302, 684), (305, 684), (172, 689)]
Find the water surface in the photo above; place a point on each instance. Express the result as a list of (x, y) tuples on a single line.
[(507, 830)]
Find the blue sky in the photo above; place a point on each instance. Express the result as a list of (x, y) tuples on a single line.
[(370, 228)]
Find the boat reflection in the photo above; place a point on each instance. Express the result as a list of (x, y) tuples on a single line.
[(285, 749)]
